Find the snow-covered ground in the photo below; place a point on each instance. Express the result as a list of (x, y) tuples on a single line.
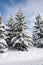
[(32, 57)]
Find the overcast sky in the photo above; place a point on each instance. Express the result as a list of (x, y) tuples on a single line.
[(29, 7)]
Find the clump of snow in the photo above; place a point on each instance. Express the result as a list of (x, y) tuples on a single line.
[(3, 41)]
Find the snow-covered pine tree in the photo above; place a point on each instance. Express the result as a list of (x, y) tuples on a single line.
[(21, 40), (3, 33), (10, 30), (38, 31)]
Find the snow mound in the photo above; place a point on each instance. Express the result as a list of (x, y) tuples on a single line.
[(32, 57)]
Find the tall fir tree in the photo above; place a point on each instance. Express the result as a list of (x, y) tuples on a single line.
[(3, 33), (21, 40), (38, 31)]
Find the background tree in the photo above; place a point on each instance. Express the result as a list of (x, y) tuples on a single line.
[(10, 30), (3, 33), (38, 31)]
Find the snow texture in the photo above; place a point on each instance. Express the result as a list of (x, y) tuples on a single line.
[(32, 57)]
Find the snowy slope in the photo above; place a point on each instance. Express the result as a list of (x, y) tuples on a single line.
[(32, 57)]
